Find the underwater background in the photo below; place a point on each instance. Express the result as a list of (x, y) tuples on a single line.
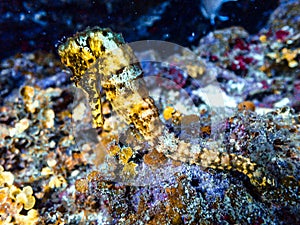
[(207, 130), (31, 25)]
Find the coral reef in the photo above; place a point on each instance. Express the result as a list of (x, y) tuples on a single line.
[(144, 142)]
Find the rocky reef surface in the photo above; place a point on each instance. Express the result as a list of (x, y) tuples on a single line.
[(56, 168)]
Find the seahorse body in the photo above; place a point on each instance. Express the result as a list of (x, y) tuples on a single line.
[(101, 55)]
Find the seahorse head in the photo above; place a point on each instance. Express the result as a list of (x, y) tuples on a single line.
[(96, 46)]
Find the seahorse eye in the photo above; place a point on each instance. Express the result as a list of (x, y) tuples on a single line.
[(104, 33)]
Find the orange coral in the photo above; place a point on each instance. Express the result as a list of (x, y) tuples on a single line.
[(13, 200)]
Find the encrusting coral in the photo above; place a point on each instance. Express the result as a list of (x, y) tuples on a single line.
[(13, 200)]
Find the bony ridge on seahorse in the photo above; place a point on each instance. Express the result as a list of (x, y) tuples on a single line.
[(100, 55)]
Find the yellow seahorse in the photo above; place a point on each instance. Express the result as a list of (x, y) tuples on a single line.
[(100, 55)]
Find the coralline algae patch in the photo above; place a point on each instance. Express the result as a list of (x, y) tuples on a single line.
[(190, 197), (256, 60)]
